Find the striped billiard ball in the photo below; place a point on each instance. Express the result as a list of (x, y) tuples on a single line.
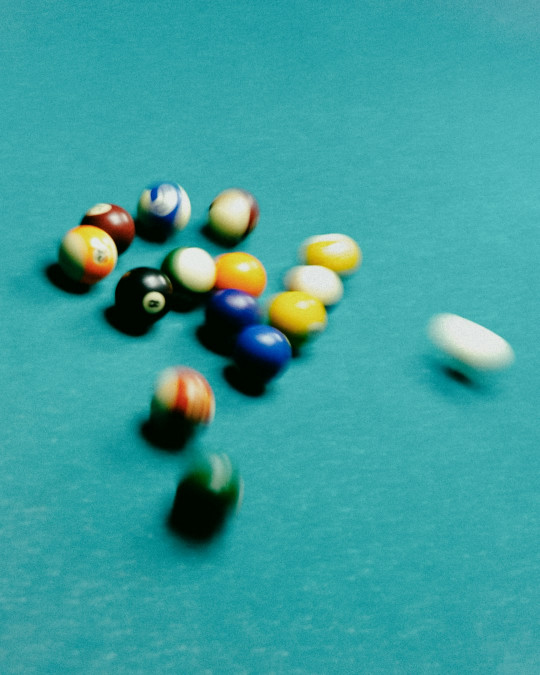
[(182, 395), (163, 209), (87, 254), (210, 491)]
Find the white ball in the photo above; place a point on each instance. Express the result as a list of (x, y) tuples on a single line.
[(320, 282), (469, 344), (192, 268), (233, 214)]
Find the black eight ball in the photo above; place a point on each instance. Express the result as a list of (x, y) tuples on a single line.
[(143, 294)]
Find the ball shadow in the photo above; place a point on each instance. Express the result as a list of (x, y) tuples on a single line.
[(184, 302), (151, 232), (125, 324), (244, 382), (217, 341), (172, 437), (219, 239), (56, 275)]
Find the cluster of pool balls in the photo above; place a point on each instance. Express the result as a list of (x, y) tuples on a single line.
[(230, 284)]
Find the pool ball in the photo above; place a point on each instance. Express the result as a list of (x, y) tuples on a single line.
[(190, 268), (468, 346), (182, 395), (242, 271), (163, 209), (262, 352), (114, 220), (233, 214), (143, 295), (320, 282), (87, 254), (298, 315), (338, 252), (210, 491), (230, 310)]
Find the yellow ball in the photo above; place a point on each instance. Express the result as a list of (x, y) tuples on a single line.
[(338, 252), (298, 315)]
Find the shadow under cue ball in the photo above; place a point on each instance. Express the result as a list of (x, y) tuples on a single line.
[(143, 295), (115, 221), (211, 490)]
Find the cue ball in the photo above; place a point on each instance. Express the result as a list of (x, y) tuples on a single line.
[(164, 208), (320, 282), (233, 214), (469, 344), (262, 352), (338, 252), (143, 295), (87, 254), (115, 221), (242, 271), (298, 315), (190, 268)]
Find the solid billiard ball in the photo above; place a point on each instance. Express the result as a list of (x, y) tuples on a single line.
[(115, 221), (182, 395), (143, 295), (233, 214), (468, 346), (338, 252), (320, 282), (210, 491), (298, 315), (242, 271), (163, 208), (262, 352), (190, 268), (229, 311), (87, 254)]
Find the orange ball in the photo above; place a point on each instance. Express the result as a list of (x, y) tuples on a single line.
[(87, 254), (241, 271)]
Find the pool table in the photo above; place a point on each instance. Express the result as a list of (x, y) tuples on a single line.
[(390, 520)]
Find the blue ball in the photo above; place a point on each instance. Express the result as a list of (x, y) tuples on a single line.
[(262, 352), (163, 208), (229, 311)]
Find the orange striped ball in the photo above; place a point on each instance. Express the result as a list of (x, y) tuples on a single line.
[(87, 254), (184, 393)]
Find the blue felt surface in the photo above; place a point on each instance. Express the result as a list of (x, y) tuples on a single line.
[(390, 522)]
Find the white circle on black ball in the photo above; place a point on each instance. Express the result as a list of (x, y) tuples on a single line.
[(153, 302)]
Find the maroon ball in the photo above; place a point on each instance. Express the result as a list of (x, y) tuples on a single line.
[(116, 222)]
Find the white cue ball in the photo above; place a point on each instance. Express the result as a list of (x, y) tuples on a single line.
[(320, 282), (470, 344), (192, 268)]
